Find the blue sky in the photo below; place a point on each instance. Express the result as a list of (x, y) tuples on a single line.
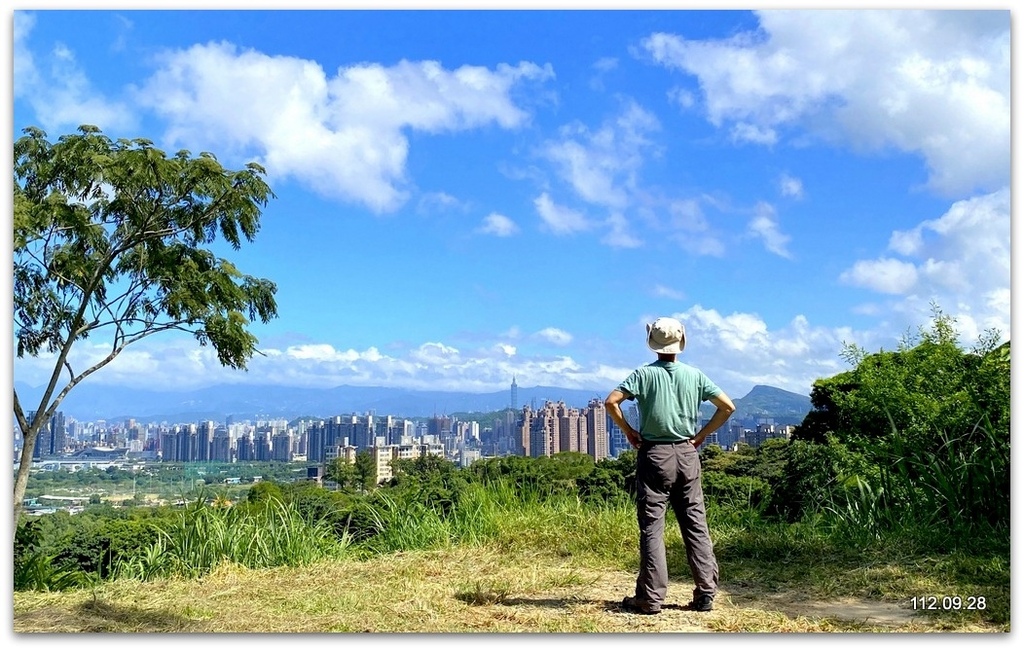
[(468, 196)]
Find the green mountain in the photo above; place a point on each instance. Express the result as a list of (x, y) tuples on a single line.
[(768, 402)]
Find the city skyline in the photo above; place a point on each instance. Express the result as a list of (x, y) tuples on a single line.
[(533, 431), (464, 198)]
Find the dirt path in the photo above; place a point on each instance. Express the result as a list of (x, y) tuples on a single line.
[(748, 609), (736, 609), (416, 593)]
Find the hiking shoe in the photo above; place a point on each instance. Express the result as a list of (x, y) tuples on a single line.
[(702, 603), (634, 606)]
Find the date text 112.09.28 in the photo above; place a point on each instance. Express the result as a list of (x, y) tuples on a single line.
[(947, 603)]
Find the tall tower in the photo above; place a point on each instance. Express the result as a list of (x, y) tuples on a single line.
[(515, 393)]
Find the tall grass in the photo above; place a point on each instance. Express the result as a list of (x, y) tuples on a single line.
[(269, 534), (942, 499), (508, 515), (36, 571)]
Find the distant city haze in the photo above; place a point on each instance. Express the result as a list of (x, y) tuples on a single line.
[(97, 402)]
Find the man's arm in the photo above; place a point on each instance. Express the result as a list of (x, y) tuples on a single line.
[(721, 416), (612, 405)]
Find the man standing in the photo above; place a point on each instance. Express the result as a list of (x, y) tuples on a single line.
[(669, 394)]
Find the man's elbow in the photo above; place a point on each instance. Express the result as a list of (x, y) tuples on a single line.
[(725, 405), (613, 400)]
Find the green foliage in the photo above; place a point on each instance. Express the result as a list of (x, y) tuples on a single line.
[(784, 499), (813, 477), (611, 479), (97, 549), (263, 492), (95, 213), (736, 492), (926, 436), (60, 551), (918, 391), (37, 571), (950, 498), (431, 481), (266, 534), (519, 470), (34, 567), (335, 509), (110, 239), (360, 475)]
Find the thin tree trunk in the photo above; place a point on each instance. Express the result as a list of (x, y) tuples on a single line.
[(21, 478)]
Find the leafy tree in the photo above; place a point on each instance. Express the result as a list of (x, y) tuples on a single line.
[(110, 239), (521, 470), (933, 422), (430, 480), (264, 492), (815, 476), (365, 470), (608, 482), (926, 387), (341, 472), (567, 466), (359, 475)]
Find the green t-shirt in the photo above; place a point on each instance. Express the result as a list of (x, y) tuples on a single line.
[(668, 395)]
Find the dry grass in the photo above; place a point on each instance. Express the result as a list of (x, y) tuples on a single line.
[(451, 591)]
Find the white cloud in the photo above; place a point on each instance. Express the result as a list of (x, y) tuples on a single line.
[(661, 291), (61, 95), (684, 98), (435, 353), (737, 351), (26, 76), (499, 225), (324, 353), (689, 227), (740, 349), (765, 227), (554, 335), (744, 132), (342, 135), (960, 260), (559, 219), (933, 83), (438, 202), (619, 233), (791, 187), (885, 275), (602, 67), (601, 166)]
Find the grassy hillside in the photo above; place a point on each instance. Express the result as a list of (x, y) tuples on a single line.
[(500, 564)]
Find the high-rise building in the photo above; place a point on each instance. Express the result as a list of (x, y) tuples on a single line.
[(572, 429), (220, 448), (204, 441), (245, 448), (597, 430), (545, 438), (521, 443), (51, 439), (515, 394), (282, 443), (617, 441)]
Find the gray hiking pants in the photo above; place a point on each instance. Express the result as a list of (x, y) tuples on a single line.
[(669, 474)]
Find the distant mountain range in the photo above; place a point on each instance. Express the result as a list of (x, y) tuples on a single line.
[(90, 402)]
